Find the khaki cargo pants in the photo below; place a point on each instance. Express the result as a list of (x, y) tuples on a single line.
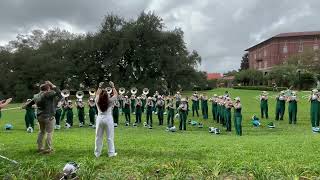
[(46, 125)]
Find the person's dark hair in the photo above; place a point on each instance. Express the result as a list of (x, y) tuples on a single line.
[(103, 101), (44, 87)]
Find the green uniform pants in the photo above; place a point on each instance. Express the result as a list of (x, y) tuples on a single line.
[(138, 114), (205, 110), (115, 114), (228, 118), (160, 115), (280, 109), (183, 120), (214, 111), (69, 114), (264, 108), (170, 117), (58, 116), (314, 113), (293, 109), (149, 116), (238, 123), (92, 114), (29, 118), (81, 115), (64, 112), (195, 108)]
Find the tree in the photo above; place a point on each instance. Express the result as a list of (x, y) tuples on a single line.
[(244, 62)]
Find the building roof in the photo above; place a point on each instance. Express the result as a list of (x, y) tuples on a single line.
[(290, 34), (211, 76)]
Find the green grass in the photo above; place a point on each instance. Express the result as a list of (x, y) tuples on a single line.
[(286, 152)]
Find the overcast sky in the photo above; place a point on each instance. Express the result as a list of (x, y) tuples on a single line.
[(219, 30)]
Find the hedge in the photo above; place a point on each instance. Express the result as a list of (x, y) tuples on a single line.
[(261, 88)]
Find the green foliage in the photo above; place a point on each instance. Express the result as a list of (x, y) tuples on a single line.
[(249, 77), (131, 53), (286, 152), (244, 62), (260, 88)]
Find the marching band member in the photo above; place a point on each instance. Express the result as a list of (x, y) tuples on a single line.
[(264, 104), (133, 103), (187, 102), (69, 113), (92, 111), (281, 106), (120, 98), (223, 111), (138, 107), (178, 98), (154, 100), (115, 112), (104, 102), (204, 106), (238, 116), (293, 108), (219, 118), (182, 109), (58, 115), (80, 108), (228, 106), (30, 114), (170, 108), (149, 112), (195, 107), (4, 103), (160, 107), (126, 110), (314, 110)]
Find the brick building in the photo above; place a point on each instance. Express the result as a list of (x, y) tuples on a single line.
[(276, 49)]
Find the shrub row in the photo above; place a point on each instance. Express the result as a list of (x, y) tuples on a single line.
[(261, 88)]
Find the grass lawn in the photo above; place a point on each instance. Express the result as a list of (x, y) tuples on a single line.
[(286, 152)]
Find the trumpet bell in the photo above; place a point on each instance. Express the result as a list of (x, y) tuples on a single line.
[(145, 91), (65, 93), (109, 90), (122, 90), (79, 94), (134, 90)]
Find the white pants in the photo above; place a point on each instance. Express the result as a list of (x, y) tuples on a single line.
[(104, 123)]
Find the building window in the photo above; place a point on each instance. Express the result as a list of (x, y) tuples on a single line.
[(265, 53), (301, 46), (255, 56), (285, 48)]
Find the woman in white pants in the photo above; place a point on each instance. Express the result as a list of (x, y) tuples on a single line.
[(104, 120)]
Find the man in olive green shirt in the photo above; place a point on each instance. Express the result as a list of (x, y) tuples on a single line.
[(46, 101)]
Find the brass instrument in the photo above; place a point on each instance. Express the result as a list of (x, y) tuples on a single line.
[(145, 91), (109, 90), (92, 92), (134, 90), (122, 90), (65, 93), (79, 94)]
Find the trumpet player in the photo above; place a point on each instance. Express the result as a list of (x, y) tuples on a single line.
[(238, 116), (264, 104), (92, 111), (182, 109), (160, 107), (80, 108), (126, 110), (195, 103), (149, 109), (69, 113), (170, 109), (138, 107), (115, 112), (293, 107)]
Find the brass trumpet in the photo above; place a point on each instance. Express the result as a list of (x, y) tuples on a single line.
[(145, 91), (65, 93), (122, 90)]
